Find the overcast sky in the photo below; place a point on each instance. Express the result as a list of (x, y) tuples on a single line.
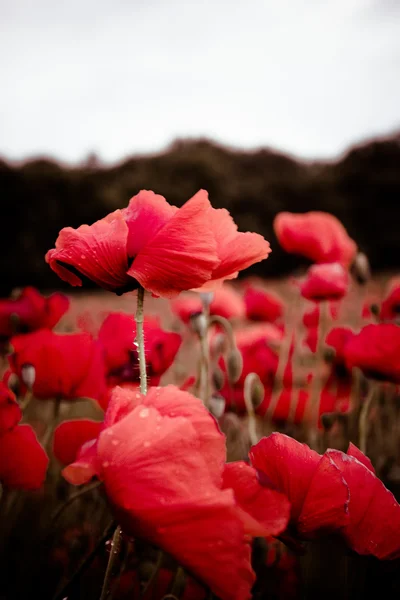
[(117, 77)]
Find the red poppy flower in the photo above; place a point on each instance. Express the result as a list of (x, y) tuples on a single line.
[(164, 249), (316, 490), (23, 461), (10, 412), (117, 335), (64, 366), (327, 281), (266, 506), (316, 235), (374, 526), (161, 458), (225, 303), (390, 309), (31, 311), (262, 305), (70, 436), (376, 351), (335, 491)]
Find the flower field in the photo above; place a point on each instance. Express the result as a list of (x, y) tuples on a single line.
[(187, 431)]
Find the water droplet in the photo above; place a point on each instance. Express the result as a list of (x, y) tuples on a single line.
[(106, 464), (146, 444), (144, 413), (83, 256), (115, 442), (108, 545)]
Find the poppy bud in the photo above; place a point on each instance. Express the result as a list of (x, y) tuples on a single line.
[(328, 420), (206, 299), (13, 383), (28, 375), (234, 365), (218, 378), (374, 308), (254, 389), (360, 268), (218, 345), (217, 405), (198, 323), (329, 354)]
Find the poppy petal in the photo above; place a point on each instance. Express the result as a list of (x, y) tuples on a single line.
[(170, 401), (374, 513), (360, 456), (96, 251), (85, 467), (23, 461), (287, 465), (267, 507), (236, 251), (145, 215), (70, 436), (182, 255), (326, 506), (160, 486)]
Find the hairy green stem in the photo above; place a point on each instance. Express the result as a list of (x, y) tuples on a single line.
[(139, 342)]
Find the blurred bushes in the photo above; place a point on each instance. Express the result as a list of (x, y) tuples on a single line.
[(40, 197)]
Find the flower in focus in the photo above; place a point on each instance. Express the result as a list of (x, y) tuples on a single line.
[(23, 461), (10, 412), (116, 336), (31, 311), (161, 458), (63, 366), (163, 248), (318, 236), (376, 351), (225, 303), (262, 305), (328, 281)]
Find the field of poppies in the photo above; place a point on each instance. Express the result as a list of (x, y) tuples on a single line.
[(190, 433)]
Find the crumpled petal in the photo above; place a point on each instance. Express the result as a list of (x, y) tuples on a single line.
[(269, 509)]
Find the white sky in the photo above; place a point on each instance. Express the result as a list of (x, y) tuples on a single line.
[(119, 77)]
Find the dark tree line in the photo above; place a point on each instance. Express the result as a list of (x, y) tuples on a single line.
[(362, 188)]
